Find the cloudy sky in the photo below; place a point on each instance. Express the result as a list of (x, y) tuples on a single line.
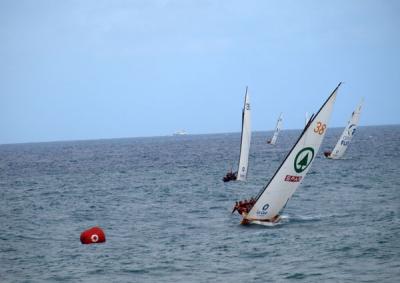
[(88, 69)]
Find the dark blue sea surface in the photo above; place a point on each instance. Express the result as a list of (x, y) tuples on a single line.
[(167, 214)]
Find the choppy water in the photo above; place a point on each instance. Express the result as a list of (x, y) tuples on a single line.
[(166, 211)]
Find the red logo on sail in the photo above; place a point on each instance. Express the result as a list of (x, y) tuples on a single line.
[(290, 178)]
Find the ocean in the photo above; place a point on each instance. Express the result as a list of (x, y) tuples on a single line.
[(167, 214)]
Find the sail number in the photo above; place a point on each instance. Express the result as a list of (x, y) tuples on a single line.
[(247, 106), (320, 128)]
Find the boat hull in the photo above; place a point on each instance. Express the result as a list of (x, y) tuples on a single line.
[(264, 223), (229, 177), (246, 221)]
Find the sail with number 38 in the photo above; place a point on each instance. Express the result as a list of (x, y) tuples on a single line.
[(276, 193)]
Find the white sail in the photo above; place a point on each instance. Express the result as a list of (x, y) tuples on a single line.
[(277, 130), (245, 140), (274, 196), (347, 134)]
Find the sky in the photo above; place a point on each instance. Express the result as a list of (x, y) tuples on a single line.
[(93, 69)]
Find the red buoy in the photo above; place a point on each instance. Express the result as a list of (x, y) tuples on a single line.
[(93, 235)]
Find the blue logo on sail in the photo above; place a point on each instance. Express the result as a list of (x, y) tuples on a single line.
[(264, 210), (352, 129)]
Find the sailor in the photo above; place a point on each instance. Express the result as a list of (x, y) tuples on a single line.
[(229, 176), (240, 207), (248, 207)]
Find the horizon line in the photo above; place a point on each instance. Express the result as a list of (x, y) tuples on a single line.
[(169, 135)]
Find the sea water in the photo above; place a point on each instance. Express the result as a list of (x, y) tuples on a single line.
[(167, 214)]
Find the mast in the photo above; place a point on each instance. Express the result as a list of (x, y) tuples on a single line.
[(306, 118)]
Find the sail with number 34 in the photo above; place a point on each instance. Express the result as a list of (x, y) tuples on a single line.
[(244, 140)]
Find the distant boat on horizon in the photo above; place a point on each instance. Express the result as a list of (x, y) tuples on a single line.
[(347, 135), (180, 133)]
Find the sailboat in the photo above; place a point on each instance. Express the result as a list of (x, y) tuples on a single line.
[(347, 135), (266, 207), (241, 173), (277, 130)]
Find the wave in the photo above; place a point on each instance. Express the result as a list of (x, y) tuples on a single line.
[(311, 218)]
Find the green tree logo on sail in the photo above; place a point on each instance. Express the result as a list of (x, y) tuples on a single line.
[(303, 159)]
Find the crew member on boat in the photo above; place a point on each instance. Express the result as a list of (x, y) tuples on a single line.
[(230, 176), (244, 206)]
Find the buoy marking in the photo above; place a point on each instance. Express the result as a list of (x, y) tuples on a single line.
[(94, 238)]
